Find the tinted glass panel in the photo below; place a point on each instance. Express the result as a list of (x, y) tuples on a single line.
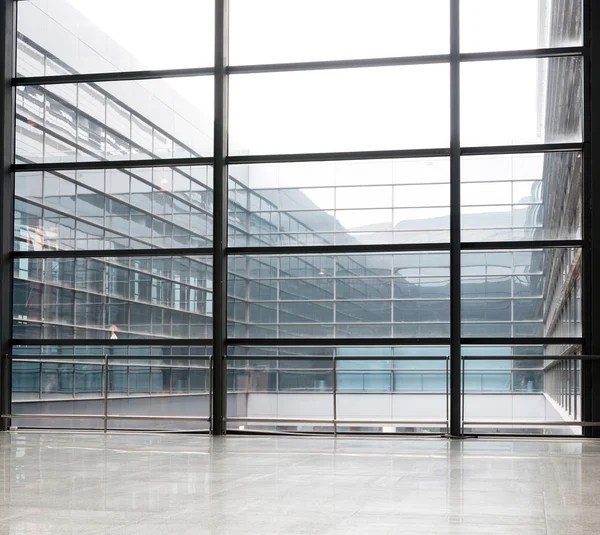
[(114, 209), (339, 296), (170, 118), (406, 201), (122, 297)]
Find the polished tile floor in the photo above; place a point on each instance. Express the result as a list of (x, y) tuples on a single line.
[(74, 483)]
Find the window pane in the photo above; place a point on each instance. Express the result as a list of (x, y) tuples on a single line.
[(511, 102), (80, 36), (114, 209), (170, 118), (141, 381), (403, 295), (340, 110), (124, 297), (519, 389), (531, 24), (272, 31), (373, 387), (522, 197), (401, 201), (529, 293)]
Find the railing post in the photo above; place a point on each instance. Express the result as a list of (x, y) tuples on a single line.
[(106, 383)]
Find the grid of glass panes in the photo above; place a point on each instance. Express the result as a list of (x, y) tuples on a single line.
[(399, 198)]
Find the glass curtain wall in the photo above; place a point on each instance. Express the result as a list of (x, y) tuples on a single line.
[(351, 217)]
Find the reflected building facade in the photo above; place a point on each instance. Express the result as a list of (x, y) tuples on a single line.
[(509, 294)]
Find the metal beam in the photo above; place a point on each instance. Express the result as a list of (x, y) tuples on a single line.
[(338, 249), (338, 156), (111, 76), (521, 149), (337, 342), (113, 253), (112, 164)]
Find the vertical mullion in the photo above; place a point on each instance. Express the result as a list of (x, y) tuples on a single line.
[(590, 290), (455, 304), (7, 118), (219, 372)]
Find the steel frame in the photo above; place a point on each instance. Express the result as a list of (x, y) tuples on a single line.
[(220, 250)]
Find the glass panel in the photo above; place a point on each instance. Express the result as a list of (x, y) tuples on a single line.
[(271, 31), (169, 118), (510, 102), (400, 201), (532, 24), (522, 197), (340, 110), (79, 36), (142, 381), (527, 293), (385, 295), (114, 209), (509, 389), (297, 382), (176, 389), (113, 297), (296, 387)]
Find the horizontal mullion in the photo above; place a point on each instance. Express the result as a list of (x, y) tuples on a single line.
[(110, 253), (112, 164), (530, 357), (337, 359), (296, 250), (338, 156), (165, 342), (519, 245), (521, 149), (150, 74), (112, 76), (47, 358), (521, 341), (530, 53), (343, 342), (395, 61)]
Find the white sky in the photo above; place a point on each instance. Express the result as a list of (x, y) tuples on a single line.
[(402, 107)]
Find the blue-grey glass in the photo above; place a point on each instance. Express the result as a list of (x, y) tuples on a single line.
[(114, 209), (319, 203), (125, 120), (516, 197), (518, 294), (123, 297), (339, 295)]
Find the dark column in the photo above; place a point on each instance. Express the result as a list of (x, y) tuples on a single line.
[(219, 367), (455, 325), (7, 52), (590, 383)]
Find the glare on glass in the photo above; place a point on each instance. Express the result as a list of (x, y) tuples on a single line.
[(340, 110), (272, 31), (81, 36)]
